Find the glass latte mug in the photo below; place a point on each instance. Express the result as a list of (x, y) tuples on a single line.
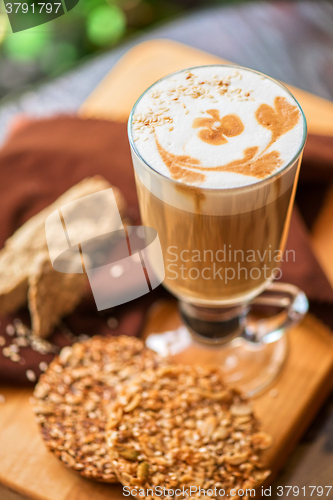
[(222, 211)]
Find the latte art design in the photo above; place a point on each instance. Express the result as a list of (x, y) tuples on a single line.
[(228, 130), (216, 130), (181, 167), (253, 163), (279, 120)]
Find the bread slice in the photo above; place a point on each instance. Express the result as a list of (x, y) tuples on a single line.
[(52, 295), (26, 271)]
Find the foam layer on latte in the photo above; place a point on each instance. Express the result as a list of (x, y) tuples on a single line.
[(217, 127)]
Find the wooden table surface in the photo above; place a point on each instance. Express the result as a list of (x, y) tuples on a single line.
[(300, 389), (290, 41)]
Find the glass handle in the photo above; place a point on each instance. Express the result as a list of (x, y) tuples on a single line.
[(289, 298)]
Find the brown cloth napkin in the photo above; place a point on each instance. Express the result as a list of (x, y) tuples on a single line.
[(318, 159), (44, 158)]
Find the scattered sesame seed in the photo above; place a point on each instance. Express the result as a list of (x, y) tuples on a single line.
[(83, 336), (15, 357), (10, 330), (273, 393), (112, 323), (31, 376), (2, 341), (43, 366)]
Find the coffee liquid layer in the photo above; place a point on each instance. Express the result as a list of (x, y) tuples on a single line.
[(215, 259), (217, 127)]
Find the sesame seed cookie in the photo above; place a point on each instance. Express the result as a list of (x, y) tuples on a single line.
[(181, 426), (71, 398)]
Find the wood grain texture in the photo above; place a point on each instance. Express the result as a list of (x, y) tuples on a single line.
[(8, 494), (149, 61), (27, 469), (301, 388)]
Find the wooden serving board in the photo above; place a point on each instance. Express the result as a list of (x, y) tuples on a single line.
[(149, 61), (27, 469)]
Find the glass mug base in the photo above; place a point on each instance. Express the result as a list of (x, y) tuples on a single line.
[(249, 345)]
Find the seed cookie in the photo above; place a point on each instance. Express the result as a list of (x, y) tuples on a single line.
[(179, 427), (71, 397)]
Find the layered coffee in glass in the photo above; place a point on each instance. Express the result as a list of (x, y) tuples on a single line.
[(216, 153)]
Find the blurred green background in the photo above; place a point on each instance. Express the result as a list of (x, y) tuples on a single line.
[(92, 26)]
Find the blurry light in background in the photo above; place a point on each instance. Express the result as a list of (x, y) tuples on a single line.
[(92, 26), (106, 25), (26, 45), (4, 26)]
